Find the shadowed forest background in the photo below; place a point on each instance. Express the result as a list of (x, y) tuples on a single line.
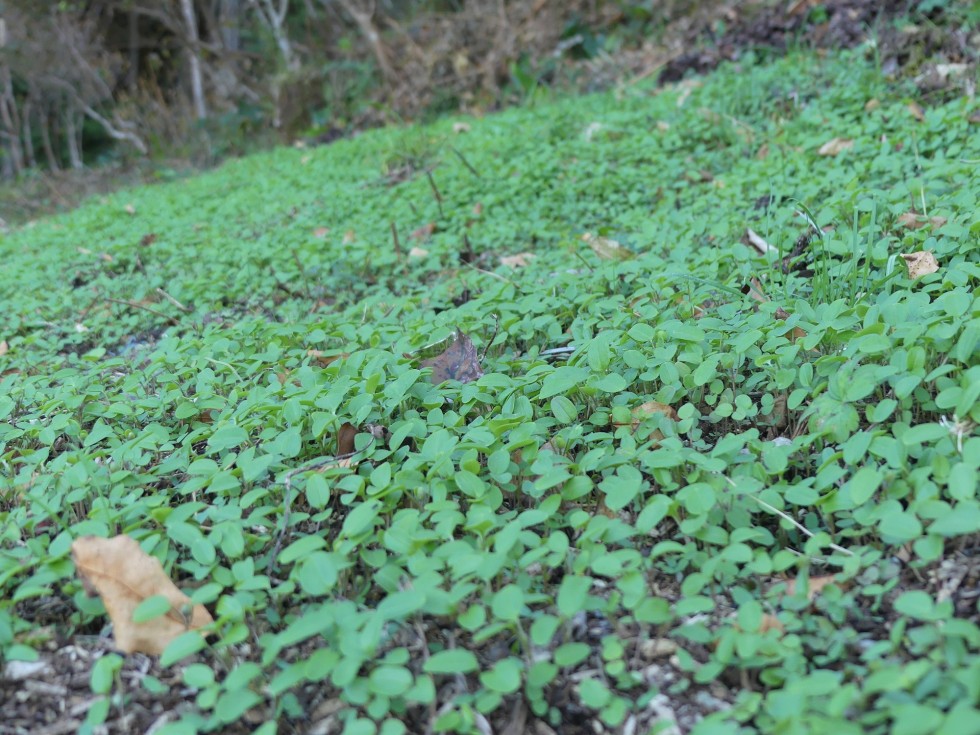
[(102, 93)]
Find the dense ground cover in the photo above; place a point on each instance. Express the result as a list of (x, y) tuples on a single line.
[(697, 487)]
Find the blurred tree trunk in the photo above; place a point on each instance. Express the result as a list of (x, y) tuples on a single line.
[(13, 161), (274, 18), (230, 17), (133, 73), (52, 159), (197, 81), (363, 18), (72, 139)]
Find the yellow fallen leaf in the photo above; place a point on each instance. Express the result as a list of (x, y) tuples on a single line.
[(920, 263), (835, 146), (871, 105), (124, 576)]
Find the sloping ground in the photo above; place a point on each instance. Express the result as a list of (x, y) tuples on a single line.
[(697, 487)]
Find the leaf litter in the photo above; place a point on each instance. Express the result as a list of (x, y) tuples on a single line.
[(124, 576)]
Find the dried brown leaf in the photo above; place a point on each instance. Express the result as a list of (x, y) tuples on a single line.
[(645, 410), (324, 359), (345, 438), (871, 105), (4, 347), (771, 622), (458, 362), (424, 232), (520, 260), (321, 232), (814, 586), (835, 146), (124, 576), (915, 110), (606, 248), (915, 221), (920, 263), (148, 239)]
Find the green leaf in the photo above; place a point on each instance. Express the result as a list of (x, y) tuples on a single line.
[(623, 487), (507, 603), (916, 604), (391, 681), (864, 484), (504, 677), (150, 608), (573, 594), (182, 646), (562, 380), (451, 661), (104, 672), (227, 437), (564, 410)]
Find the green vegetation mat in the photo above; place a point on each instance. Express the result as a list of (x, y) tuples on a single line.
[(682, 485)]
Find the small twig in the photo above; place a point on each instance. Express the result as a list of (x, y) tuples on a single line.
[(785, 517), (579, 255), (227, 365), (134, 305), (435, 192), (281, 285), (172, 300), (466, 163), (491, 273), (496, 326), (288, 496), (302, 272), (394, 237)]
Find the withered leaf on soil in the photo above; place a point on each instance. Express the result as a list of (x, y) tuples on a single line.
[(813, 587), (642, 412), (517, 261), (458, 362), (424, 232), (920, 263), (606, 248), (915, 221), (324, 359), (834, 146), (757, 292), (124, 576)]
